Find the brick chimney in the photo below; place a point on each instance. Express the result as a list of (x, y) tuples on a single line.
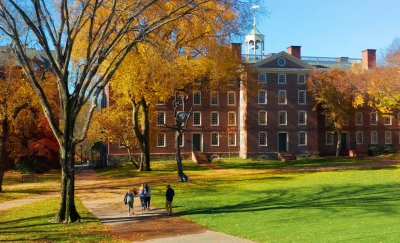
[(294, 51), (369, 59), (236, 48)]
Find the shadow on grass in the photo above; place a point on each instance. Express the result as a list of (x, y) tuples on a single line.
[(383, 199)]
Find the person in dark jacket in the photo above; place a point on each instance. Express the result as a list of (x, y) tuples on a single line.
[(169, 195)]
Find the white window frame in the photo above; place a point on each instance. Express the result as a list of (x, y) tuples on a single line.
[(305, 118), (305, 97), (194, 97), (359, 136), (211, 139), (265, 96), (332, 134), (265, 117), (279, 118), (390, 120), (229, 121), (234, 140), (305, 138), (211, 97), (298, 79), (259, 139), (279, 78), (182, 144), (194, 123), (388, 137), (262, 80), (283, 91), (359, 122), (164, 137), (375, 121), (373, 133), (234, 98), (211, 118), (120, 144), (163, 117)]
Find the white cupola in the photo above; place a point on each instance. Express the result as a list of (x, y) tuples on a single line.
[(255, 40)]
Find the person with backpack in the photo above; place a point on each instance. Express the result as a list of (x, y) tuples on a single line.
[(146, 192), (141, 196), (128, 199), (169, 195)]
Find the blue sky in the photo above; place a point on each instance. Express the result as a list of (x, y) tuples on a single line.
[(330, 28)]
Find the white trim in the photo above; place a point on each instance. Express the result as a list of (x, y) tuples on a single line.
[(391, 137), (305, 138), (265, 97), (201, 140), (232, 112), (362, 137), (234, 98), (211, 139), (305, 118), (362, 119), (265, 78), (194, 93), (196, 112), (390, 120), (164, 117), (183, 141), (266, 139), (164, 138), (235, 136), (211, 95), (287, 141), (211, 116), (279, 118), (298, 78), (305, 97), (376, 119), (377, 137), (326, 138), (282, 75), (265, 116), (279, 92)]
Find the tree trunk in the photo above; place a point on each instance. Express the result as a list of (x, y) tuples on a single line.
[(67, 212), (182, 177), (143, 134), (5, 128), (339, 143)]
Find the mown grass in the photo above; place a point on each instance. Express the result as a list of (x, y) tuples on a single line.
[(31, 223), (274, 201), (13, 188)]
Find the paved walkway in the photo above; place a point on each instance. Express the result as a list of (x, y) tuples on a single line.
[(105, 200), (24, 201)]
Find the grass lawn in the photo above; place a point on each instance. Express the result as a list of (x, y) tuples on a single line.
[(13, 188), (30, 223), (272, 201)]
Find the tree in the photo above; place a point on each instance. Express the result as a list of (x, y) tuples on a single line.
[(336, 96), (55, 28)]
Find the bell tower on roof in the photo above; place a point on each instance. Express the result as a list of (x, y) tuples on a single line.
[(255, 39)]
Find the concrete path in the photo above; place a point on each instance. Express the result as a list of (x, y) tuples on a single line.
[(104, 199)]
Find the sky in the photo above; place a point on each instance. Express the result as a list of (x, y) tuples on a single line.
[(330, 28)]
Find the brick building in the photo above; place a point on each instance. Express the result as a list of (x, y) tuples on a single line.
[(271, 112)]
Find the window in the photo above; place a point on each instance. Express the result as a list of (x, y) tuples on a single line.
[(398, 118), (121, 144), (161, 140), (328, 120), (160, 118), (214, 118), (302, 138), (214, 139), (181, 141), (197, 98), (374, 137), (302, 100), (388, 137), (359, 118), (388, 120), (282, 118), (262, 96), (282, 97), (345, 122), (329, 138), (232, 139), (262, 139), (262, 78), (196, 118), (302, 118), (160, 102), (231, 98), (281, 78), (262, 118), (214, 98), (301, 79), (373, 118), (231, 118), (359, 137)]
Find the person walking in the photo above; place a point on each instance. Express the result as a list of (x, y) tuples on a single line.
[(147, 195), (128, 199), (169, 196), (141, 196)]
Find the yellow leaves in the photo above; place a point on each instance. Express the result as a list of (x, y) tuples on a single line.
[(358, 101)]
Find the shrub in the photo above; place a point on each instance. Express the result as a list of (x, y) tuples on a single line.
[(32, 165)]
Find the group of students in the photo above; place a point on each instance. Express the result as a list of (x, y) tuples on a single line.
[(145, 194)]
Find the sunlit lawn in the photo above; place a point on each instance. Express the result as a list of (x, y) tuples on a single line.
[(13, 188), (269, 201), (30, 223)]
